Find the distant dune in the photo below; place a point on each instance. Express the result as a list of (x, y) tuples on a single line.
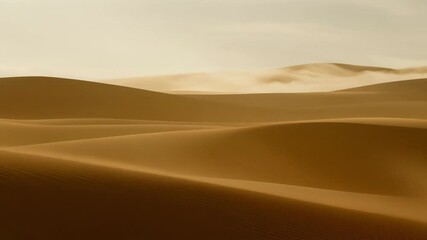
[(417, 86), (41, 98), (86, 160), (320, 77)]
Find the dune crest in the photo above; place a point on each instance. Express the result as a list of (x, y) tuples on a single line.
[(52, 98)]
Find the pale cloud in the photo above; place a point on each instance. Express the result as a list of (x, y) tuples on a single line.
[(111, 38), (274, 29)]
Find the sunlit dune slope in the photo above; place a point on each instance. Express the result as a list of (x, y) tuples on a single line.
[(418, 86), (346, 156)]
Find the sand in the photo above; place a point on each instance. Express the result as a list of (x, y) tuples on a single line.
[(86, 160), (315, 77)]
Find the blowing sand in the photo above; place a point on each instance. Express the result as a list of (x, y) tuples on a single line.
[(85, 160), (316, 77)]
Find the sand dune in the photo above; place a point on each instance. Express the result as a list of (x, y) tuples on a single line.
[(406, 87), (85, 160), (318, 77), (87, 201), (41, 98), (272, 153)]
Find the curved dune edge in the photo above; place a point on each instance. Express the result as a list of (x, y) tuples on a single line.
[(345, 156), (110, 122), (19, 133), (64, 130), (400, 207), (32, 132), (71, 200), (412, 209), (403, 207)]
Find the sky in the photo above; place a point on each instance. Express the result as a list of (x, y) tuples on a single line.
[(104, 39)]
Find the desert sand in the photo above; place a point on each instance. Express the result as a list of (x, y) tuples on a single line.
[(315, 77), (87, 160)]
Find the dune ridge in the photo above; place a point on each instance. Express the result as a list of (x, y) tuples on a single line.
[(85, 160), (277, 154), (47, 98)]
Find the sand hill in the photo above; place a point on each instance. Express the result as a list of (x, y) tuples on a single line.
[(85, 160), (41, 98)]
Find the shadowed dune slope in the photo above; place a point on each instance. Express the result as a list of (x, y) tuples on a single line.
[(71, 200), (38, 98), (331, 155), (44, 97)]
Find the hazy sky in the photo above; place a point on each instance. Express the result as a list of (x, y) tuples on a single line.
[(97, 39)]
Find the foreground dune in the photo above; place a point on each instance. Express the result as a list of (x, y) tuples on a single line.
[(71, 200), (82, 160)]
